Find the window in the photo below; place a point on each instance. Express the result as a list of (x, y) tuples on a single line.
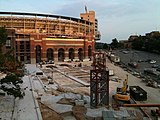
[(27, 46), (8, 43), (21, 58), (21, 46)]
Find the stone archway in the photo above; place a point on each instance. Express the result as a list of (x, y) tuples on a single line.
[(50, 55), (61, 54), (71, 54), (80, 54), (38, 53)]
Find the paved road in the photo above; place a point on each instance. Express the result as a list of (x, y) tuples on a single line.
[(152, 93)]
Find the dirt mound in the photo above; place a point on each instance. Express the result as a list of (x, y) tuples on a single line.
[(79, 112)]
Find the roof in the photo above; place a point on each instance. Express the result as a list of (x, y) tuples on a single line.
[(46, 15)]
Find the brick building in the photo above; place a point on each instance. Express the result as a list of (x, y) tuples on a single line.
[(36, 37)]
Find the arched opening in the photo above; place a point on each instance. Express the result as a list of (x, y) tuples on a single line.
[(80, 54), (38, 53), (61, 54), (50, 54), (89, 52), (71, 54)]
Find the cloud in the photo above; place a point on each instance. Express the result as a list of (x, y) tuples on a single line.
[(116, 18), (71, 9)]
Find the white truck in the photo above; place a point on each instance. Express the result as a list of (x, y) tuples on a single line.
[(115, 59)]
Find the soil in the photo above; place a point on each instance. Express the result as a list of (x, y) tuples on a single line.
[(48, 113), (80, 112)]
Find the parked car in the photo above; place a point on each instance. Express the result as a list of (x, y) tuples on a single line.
[(152, 62), (133, 64), (155, 66), (148, 60), (140, 60), (158, 69)]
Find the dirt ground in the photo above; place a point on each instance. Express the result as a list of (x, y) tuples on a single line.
[(72, 86), (48, 113)]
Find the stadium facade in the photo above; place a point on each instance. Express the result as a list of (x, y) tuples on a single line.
[(42, 37)]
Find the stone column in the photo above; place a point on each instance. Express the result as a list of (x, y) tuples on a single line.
[(66, 54), (55, 56)]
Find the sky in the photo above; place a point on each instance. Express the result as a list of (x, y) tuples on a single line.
[(116, 18)]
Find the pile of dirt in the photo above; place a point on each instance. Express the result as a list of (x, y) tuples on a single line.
[(67, 101), (79, 112)]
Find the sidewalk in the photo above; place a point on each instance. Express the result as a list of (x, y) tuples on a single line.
[(27, 108)]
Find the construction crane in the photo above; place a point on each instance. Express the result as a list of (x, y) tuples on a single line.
[(122, 94)]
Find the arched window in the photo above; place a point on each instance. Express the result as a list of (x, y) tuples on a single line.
[(71, 54), (61, 54), (50, 54)]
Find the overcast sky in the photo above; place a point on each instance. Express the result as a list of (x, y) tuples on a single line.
[(117, 18)]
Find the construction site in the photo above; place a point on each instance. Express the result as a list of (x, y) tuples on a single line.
[(65, 78), (85, 91), (82, 91)]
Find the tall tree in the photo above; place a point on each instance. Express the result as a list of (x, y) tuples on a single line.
[(114, 43), (3, 37), (11, 83)]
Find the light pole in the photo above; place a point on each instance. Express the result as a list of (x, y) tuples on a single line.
[(51, 77)]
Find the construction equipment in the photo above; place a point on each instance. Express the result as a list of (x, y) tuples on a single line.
[(155, 112), (122, 94)]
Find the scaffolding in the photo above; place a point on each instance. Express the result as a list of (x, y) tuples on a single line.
[(51, 25), (99, 78)]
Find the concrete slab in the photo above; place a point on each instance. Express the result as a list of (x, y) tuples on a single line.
[(51, 101), (61, 108), (6, 107), (120, 114), (95, 112)]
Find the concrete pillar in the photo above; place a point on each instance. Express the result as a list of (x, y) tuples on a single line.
[(33, 60), (66, 54), (56, 56), (43, 56), (76, 54), (18, 58)]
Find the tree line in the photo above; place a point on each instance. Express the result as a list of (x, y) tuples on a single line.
[(149, 43), (113, 45)]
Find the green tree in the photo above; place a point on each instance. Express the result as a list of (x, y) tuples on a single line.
[(138, 44), (11, 85), (149, 43), (114, 43), (3, 37), (105, 46)]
